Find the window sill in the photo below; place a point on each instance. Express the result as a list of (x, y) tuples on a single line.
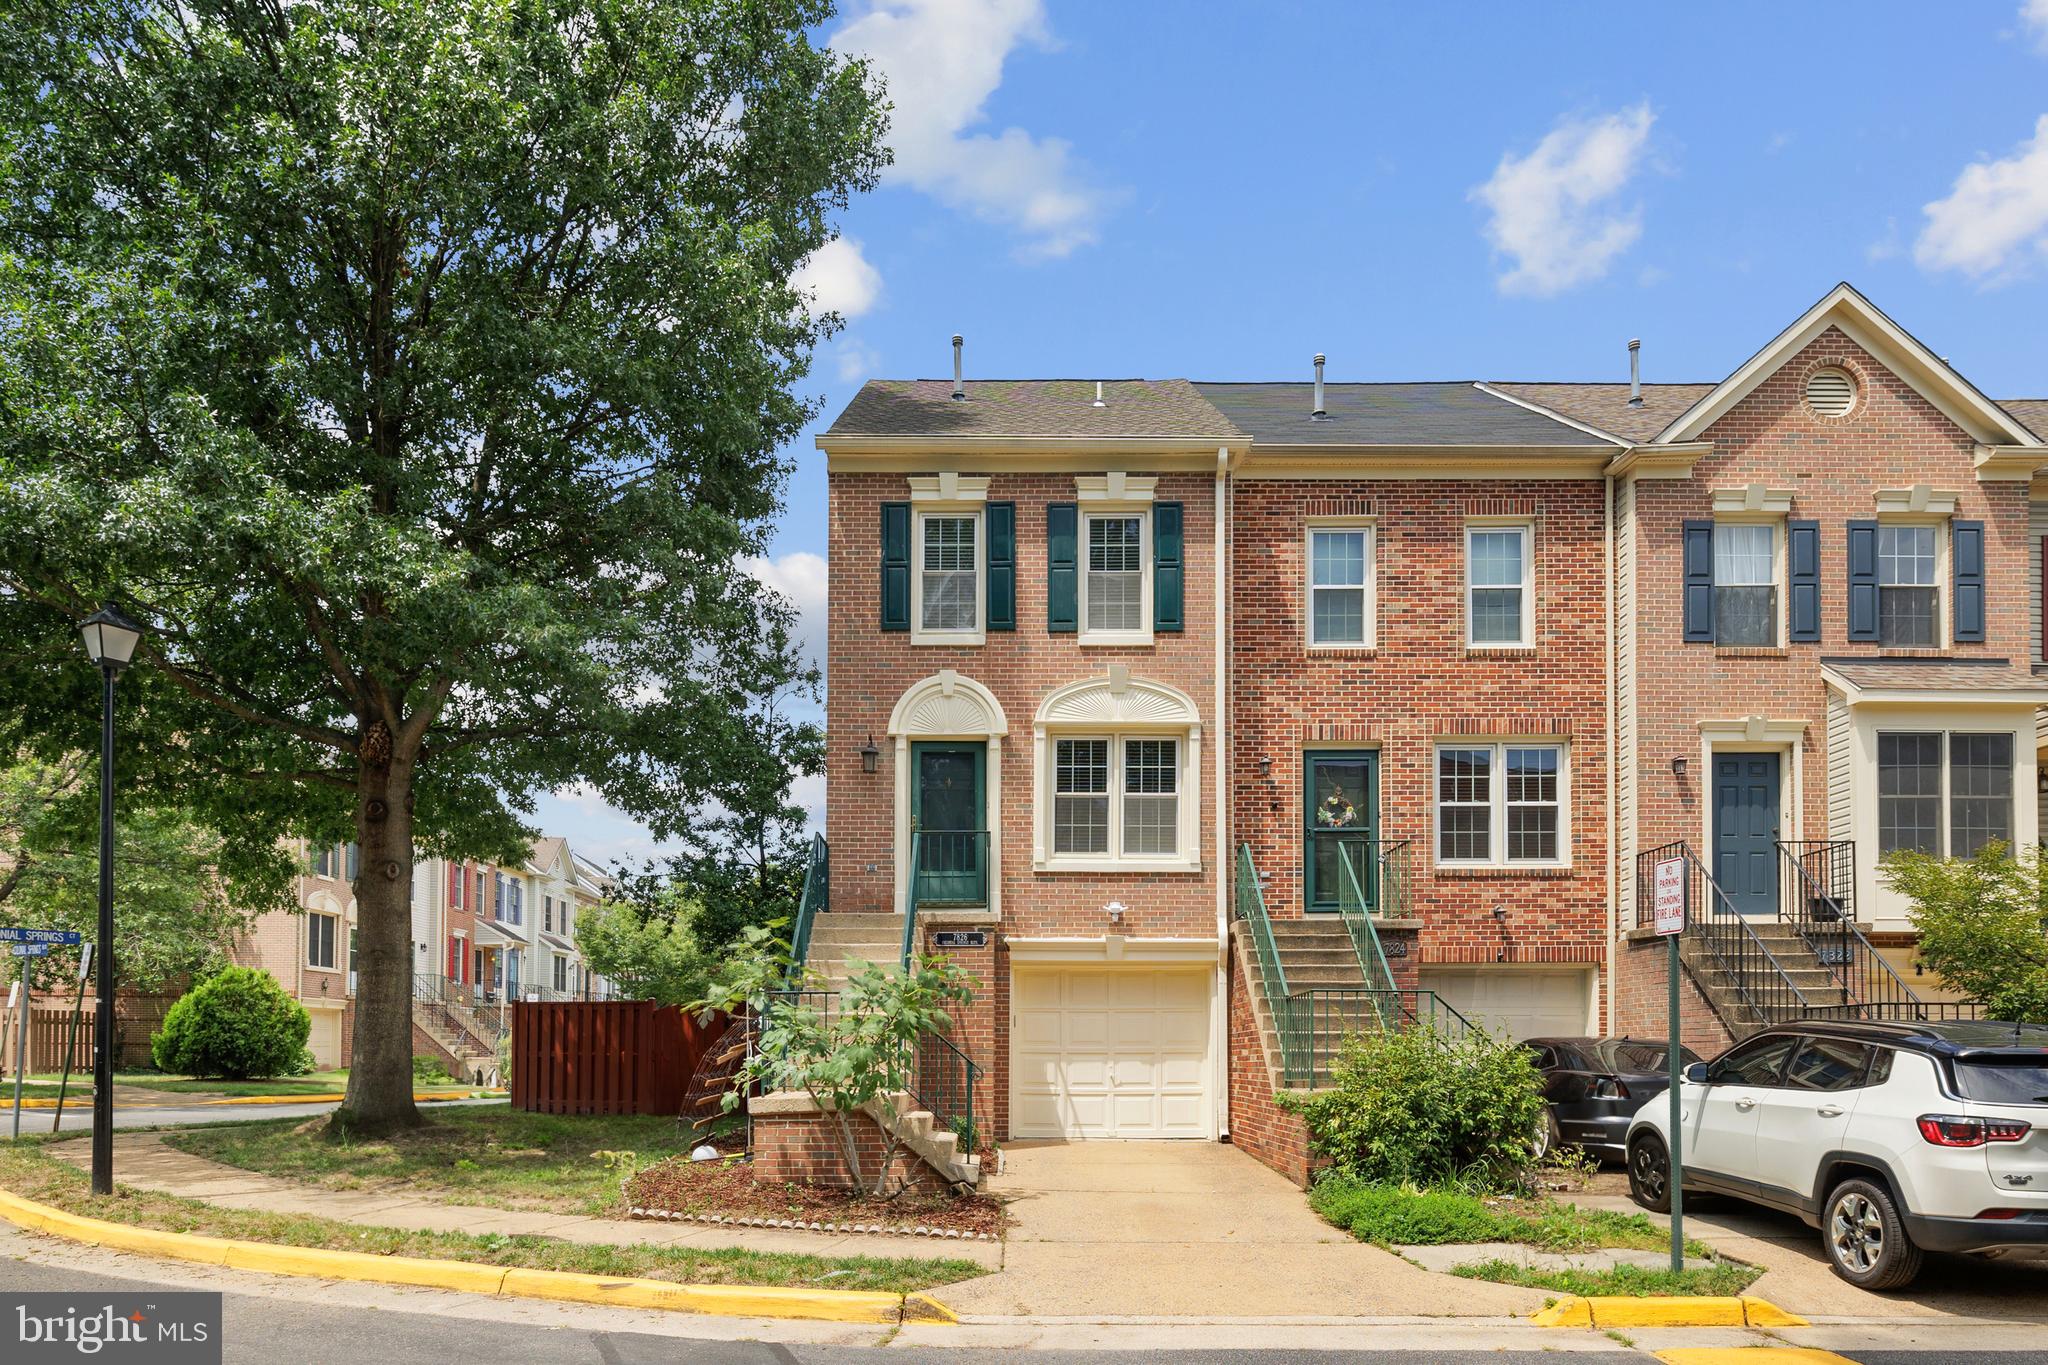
[(1123, 639), (1116, 866), (331, 971), (961, 638), (1914, 652), (1496, 871), (1752, 652), (1482, 651), (1359, 651)]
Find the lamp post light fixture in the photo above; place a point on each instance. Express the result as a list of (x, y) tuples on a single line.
[(870, 756), (110, 640)]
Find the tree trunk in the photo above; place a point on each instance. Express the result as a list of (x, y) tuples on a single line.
[(380, 1069)]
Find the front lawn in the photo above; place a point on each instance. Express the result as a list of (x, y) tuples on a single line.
[(1398, 1215), (497, 1156), (27, 1171), (1723, 1279), (314, 1083)]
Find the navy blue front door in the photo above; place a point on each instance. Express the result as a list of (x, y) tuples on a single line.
[(1746, 831)]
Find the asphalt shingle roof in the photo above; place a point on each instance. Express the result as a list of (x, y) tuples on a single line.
[(1032, 407), (1426, 414), (1606, 405), (2031, 412), (1937, 675)]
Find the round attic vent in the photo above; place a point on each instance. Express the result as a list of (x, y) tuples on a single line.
[(1830, 392)]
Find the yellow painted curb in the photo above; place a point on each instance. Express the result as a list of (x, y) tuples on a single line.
[(752, 1301), (1665, 1311), (83, 1101), (1751, 1355)]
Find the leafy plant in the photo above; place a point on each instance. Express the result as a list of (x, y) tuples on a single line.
[(426, 1067), (1416, 1106), (1983, 924), (646, 956), (237, 1024)]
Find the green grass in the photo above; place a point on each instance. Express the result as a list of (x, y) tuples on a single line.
[(1723, 1278), (315, 1083), (27, 1170), (1396, 1215), (494, 1155)]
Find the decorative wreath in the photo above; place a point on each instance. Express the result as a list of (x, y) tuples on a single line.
[(1336, 811)]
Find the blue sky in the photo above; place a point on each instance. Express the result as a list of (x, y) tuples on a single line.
[(1505, 191)]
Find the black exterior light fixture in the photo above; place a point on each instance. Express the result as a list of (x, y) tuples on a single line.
[(110, 640), (870, 756)]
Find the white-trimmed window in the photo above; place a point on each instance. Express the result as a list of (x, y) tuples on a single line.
[(1500, 805), (320, 934), (1497, 585), (1116, 575), (1908, 585), (561, 973), (1117, 797), (1340, 586), (1746, 610), (1943, 793), (948, 572)]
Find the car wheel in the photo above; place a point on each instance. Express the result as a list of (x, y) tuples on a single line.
[(1865, 1237), (1548, 1137), (1649, 1173)]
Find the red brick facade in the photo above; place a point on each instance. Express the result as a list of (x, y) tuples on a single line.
[(804, 1148), (1258, 1125)]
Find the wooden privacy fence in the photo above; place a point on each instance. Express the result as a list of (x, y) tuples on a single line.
[(47, 1025), (610, 1057)]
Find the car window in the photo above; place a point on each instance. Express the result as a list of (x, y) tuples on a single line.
[(1757, 1062), (1545, 1058), (2003, 1080), (1880, 1066), (1828, 1064), (1629, 1055)]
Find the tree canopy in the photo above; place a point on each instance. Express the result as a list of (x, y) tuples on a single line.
[(416, 372)]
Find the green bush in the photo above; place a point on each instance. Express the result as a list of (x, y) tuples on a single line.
[(1416, 1107), (238, 1024), (427, 1067), (1983, 924)]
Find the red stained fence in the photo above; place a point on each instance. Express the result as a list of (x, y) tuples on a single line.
[(611, 1057)]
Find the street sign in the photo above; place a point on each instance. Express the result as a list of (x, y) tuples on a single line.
[(31, 950), (1667, 895), (13, 934)]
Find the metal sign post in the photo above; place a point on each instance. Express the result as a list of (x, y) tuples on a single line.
[(25, 952), (1669, 885)]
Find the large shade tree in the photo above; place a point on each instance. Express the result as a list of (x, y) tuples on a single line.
[(415, 371)]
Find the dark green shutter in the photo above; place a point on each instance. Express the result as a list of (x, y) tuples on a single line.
[(1966, 548), (1802, 549), (1863, 580), (1168, 569), (1699, 582), (1062, 571), (1002, 566), (895, 566)]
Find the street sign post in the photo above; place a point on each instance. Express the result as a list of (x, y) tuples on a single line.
[(1668, 886), (71, 1037)]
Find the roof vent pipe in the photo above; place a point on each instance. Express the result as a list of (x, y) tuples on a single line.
[(959, 388), (1635, 372), (1321, 413), (1098, 395)]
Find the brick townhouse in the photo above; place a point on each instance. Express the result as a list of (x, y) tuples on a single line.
[(1204, 722)]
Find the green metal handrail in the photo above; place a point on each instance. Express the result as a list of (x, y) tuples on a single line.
[(910, 899), (817, 890), (1251, 908), (956, 854), (1365, 939)]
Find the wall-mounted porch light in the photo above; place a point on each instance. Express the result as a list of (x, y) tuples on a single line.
[(1678, 767), (870, 756)]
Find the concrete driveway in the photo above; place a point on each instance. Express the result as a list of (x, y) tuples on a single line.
[(1797, 1276), (1163, 1229)]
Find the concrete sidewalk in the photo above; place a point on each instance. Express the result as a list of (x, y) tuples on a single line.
[(1191, 1229), (143, 1161)]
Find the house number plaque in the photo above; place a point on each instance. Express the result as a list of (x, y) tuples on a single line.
[(960, 938)]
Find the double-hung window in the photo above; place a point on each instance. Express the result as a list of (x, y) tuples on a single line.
[(1500, 804), (1945, 794), (949, 573), (1497, 585), (1340, 586), (561, 973), (320, 940), (1745, 584), (1113, 583), (1116, 797), (1908, 601)]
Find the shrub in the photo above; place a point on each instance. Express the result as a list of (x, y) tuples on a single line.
[(1420, 1108), (427, 1067), (1983, 924), (238, 1024)]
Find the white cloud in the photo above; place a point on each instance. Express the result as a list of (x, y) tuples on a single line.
[(856, 360), (941, 60), (838, 279), (2034, 18), (1551, 212), (1994, 223), (800, 577)]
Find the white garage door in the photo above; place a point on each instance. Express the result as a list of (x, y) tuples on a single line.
[(1110, 1054), (1517, 1001), (324, 1039)]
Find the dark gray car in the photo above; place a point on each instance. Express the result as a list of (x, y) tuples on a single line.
[(1594, 1086)]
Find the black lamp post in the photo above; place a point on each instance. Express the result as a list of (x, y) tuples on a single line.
[(110, 639)]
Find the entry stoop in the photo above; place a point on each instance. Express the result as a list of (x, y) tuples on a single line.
[(840, 939)]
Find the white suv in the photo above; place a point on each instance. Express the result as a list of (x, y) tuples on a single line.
[(1892, 1138)]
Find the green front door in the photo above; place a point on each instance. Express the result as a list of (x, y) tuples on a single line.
[(1341, 802), (947, 805)]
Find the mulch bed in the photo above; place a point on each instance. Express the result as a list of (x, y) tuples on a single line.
[(725, 1192)]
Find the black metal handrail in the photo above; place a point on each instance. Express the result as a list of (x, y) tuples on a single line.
[(1818, 880), (450, 1004), (1756, 977), (942, 1081), (1911, 1011)]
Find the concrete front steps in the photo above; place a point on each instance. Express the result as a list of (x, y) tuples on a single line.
[(839, 939), (1724, 988), (917, 1129), (1313, 952)]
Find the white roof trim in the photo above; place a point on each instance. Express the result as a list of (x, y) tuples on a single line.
[(1933, 378), (1553, 414)]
